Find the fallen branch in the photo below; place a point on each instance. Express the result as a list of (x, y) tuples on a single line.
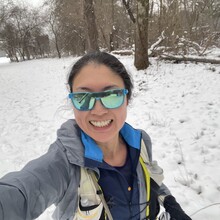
[(123, 52), (189, 58), (151, 50)]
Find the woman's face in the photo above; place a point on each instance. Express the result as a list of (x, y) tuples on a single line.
[(100, 123)]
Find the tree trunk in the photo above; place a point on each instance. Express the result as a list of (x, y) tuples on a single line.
[(92, 33), (160, 17), (113, 31), (141, 35), (57, 44), (57, 48)]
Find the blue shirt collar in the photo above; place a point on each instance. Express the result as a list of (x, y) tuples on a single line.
[(92, 151)]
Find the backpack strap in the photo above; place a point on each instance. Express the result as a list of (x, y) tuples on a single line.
[(100, 193), (156, 172), (151, 170), (147, 183)]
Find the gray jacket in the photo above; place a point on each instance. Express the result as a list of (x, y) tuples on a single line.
[(52, 179)]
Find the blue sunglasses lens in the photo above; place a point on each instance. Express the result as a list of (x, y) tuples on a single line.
[(111, 99), (82, 101)]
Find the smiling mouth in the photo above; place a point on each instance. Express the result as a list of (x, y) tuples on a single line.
[(101, 124)]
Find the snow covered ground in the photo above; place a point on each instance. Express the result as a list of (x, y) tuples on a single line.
[(177, 104)]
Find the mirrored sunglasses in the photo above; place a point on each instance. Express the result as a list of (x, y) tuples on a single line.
[(85, 101)]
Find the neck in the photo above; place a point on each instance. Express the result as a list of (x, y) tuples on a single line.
[(115, 151)]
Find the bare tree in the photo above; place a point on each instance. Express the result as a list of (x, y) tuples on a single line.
[(116, 31), (92, 33), (56, 30), (17, 31), (141, 60), (71, 23), (128, 8), (3, 11), (155, 27), (9, 42)]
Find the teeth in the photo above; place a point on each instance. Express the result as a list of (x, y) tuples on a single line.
[(100, 124)]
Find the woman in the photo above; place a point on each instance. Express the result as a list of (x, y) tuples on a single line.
[(98, 140)]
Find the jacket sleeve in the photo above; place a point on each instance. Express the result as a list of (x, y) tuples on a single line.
[(27, 193)]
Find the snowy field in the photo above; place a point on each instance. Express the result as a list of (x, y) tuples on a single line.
[(177, 104)]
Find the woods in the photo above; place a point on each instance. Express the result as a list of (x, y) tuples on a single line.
[(142, 27)]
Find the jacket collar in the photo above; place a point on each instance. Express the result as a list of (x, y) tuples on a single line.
[(92, 151)]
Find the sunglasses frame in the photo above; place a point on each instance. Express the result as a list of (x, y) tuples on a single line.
[(97, 96)]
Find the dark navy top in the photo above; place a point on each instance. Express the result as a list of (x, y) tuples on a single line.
[(126, 169), (119, 185)]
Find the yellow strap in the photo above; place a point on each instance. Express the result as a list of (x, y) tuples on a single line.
[(147, 182)]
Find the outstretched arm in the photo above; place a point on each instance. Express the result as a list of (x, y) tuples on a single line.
[(27, 193)]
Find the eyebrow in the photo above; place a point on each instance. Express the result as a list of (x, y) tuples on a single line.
[(103, 89)]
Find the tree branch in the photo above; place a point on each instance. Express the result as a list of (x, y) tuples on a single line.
[(128, 8)]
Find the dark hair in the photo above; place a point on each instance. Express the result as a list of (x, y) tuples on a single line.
[(105, 59)]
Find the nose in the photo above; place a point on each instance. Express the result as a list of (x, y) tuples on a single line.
[(98, 108)]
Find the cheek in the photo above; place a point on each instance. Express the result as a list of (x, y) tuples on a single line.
[(79, 117), (122, 114)]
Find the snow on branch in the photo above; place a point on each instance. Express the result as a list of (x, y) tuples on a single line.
[(153, 46)]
